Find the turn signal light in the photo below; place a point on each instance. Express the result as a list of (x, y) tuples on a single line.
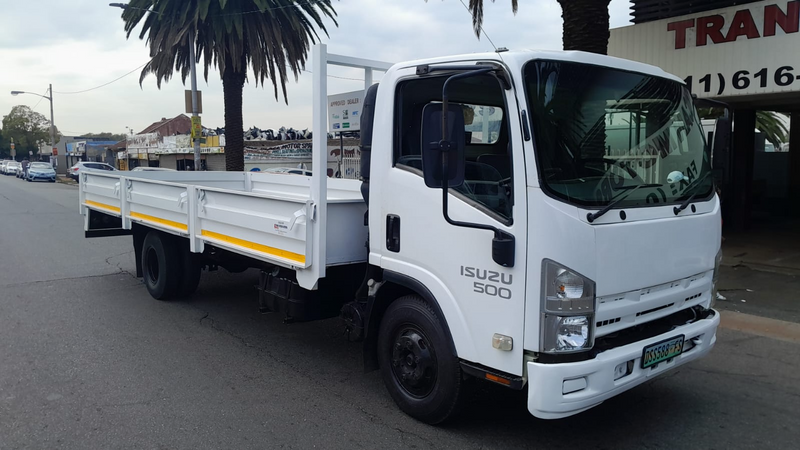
[(497, 379)]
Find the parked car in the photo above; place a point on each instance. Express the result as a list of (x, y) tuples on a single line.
[(3, 166), (288, 171), (13, 168), (75, 170), (151, 169), (40, 171)]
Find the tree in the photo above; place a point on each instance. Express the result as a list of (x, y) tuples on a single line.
[(28, 128), (767, 122), (775, 131), (586, 23), (271, 37)]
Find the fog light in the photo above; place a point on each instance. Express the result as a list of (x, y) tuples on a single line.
[(574, 385), (623, 369), (502, 342)]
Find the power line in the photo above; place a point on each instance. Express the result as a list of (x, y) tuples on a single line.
[(232, 14), (255, 11), (40, 99), (341, 78), (105, 84)]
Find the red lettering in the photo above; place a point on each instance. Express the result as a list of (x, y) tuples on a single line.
[(710, 27), (742, 25), (680, 28), (788, 22)]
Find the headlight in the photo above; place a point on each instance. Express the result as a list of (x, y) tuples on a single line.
[(568, 303)]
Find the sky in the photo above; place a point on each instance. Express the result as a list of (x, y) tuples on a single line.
[(80, 44)]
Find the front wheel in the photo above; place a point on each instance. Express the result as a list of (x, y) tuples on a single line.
[(417, 361)]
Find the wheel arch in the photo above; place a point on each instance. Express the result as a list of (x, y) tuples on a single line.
[(394, 286)]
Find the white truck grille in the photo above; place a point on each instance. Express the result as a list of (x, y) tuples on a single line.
[(620, 311)]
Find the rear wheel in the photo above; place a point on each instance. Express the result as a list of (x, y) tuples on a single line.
[(418, 362), (161, 265)]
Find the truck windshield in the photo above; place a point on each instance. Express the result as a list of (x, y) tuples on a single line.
[(600, 132)]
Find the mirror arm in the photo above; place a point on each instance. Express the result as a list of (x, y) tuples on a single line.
[(503, 242)]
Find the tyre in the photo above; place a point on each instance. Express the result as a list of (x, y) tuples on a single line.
[(190, 272), (161, 265), (417, 361)]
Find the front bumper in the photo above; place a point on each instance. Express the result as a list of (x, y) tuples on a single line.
[(40, 176), (546, 382)]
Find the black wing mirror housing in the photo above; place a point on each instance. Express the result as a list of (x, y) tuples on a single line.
[(443, 142)]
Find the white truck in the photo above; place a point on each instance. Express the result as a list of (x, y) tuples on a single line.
[(523, 250)]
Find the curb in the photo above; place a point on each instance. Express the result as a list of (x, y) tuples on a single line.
[(761, 326)]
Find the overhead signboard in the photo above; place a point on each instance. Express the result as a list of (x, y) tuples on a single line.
[(741, 50), (187, 100), (344, 111)]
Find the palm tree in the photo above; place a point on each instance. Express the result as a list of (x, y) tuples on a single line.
[(767, 122), (272, 37), (585, 23), (772, 126)]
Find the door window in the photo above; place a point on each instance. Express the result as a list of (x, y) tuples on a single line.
[(488, 164)]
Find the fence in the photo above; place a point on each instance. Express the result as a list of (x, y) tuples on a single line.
[(351, 167)]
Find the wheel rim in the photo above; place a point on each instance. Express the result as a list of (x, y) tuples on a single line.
[(413, 361), (152, 266)]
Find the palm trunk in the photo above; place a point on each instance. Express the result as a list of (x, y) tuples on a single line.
[(232, 85), (585, 25)]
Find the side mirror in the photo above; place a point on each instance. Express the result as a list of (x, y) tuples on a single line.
[(443, 141), (722, 136)]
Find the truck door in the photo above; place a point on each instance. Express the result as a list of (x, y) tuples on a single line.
[(478, 297)]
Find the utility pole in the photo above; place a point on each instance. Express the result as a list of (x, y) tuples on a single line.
[(52, 130), (52, 122), (195, 115), (193, 76)]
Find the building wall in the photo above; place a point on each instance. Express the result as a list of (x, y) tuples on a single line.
[(168, 161), (743, 50), (215, 162)]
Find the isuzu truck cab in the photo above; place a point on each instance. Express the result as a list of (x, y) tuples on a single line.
[(546, 221)]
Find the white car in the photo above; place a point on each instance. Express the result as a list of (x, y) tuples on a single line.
[(40, 171), (3, 166), (151, 169), (288, 171), (75, 170), (13, 168)]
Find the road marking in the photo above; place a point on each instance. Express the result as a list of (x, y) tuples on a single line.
[(761, 326), (159, 221), (254, 246), (101, 206)]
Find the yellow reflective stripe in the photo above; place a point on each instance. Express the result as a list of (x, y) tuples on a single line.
[(101, 206), (158, 220), (254, 246)]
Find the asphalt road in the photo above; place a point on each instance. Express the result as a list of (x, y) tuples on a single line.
[(89, 360)]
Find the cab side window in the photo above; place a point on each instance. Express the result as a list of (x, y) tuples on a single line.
[(488, 164)]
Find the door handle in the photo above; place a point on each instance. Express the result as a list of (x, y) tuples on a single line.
[(393, 233)]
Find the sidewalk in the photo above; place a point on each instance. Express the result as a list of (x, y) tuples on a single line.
[(760, 272), (66, 180)]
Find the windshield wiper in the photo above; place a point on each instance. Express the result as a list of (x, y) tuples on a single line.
[(677, 210), (591, 217)]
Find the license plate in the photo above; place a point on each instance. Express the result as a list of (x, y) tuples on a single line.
[(662, 351)]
